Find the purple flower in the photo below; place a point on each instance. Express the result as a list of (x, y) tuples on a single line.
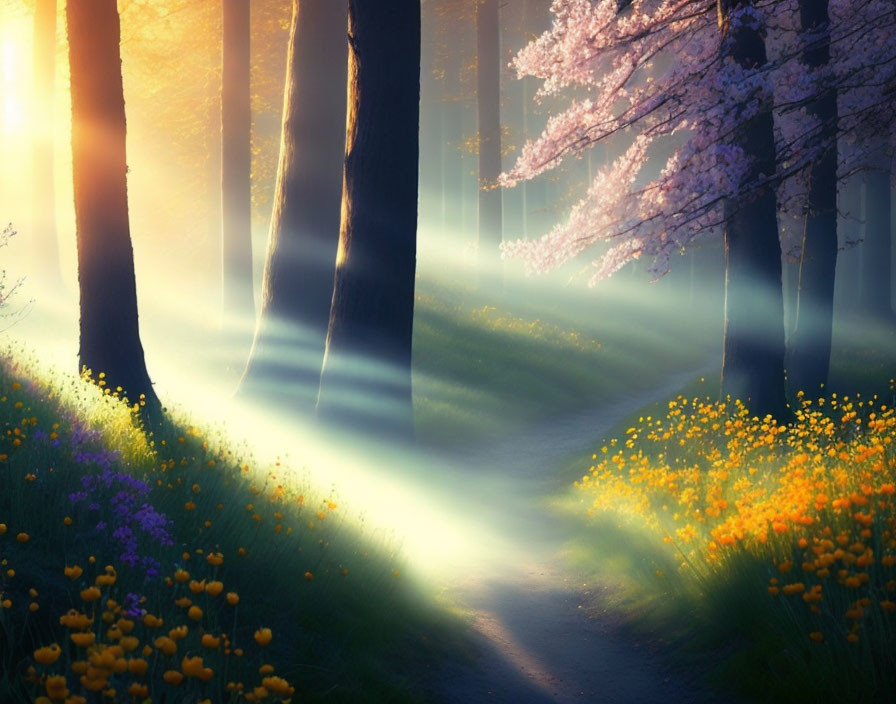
[(132, 605), (122, 501)]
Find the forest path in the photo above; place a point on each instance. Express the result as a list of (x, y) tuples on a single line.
[(539, 637)]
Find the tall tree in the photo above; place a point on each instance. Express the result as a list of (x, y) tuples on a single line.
[(236, 128), (720, 173), (453, 21), (366, 377), (298, 281), (43, 191), (715, 103), (810, 352), (876, 286), (488, 45), (110, 338), (850, 231), (753, 353), (866, 65)]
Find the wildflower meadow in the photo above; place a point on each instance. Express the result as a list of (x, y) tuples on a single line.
[(162, 567), (775, 539)]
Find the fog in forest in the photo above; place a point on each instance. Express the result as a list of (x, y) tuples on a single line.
[(484, 326)]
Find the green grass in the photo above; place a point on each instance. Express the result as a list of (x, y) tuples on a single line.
[(863, 357), (482, 370), (345, 618)]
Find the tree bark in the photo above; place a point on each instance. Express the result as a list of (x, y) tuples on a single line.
[(876, 285), (850, 231), (811, 349), (236, 164), (753, 354), (43, 191), (366, 377), (288, 350), (110, 338), (488, 52)]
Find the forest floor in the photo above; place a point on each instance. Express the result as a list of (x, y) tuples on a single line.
[(544, 635)]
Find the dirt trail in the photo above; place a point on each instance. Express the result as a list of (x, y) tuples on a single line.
[(536, 642)]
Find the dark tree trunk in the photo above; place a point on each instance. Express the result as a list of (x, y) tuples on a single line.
[(488, 52), (810, 353), (43, 191), (753, 356), (236, 165), (850, 231), (298, 280), (876, 249), (110, 339), (366, 378)]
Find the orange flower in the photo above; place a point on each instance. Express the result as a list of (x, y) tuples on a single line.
[(90, 594), (166, 645), (172, 677), (138, 666), (263, 636), (48, 655), (82, 640)]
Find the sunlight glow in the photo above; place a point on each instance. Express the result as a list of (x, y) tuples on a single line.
[(13, 115)]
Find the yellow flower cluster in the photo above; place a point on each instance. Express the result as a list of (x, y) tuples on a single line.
[(117, 650), (813, 499), (101, 653), (491, 318)]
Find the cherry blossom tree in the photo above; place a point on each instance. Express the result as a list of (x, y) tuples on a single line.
[(728, 84)]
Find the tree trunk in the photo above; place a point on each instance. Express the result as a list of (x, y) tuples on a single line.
[(366, 377), (753, 355), (236, 190), (110, 338), (488, 52), (876, 249), (811, 349), (850, 231), (298, 280), (432, 138), (453, 177), (43, 191)]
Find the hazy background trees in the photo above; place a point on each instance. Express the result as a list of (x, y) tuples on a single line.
[(173, 84)]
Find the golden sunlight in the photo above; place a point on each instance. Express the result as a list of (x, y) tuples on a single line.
[(14, 36)]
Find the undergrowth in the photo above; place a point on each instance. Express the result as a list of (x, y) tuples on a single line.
[(773, 542), (170, 568)]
